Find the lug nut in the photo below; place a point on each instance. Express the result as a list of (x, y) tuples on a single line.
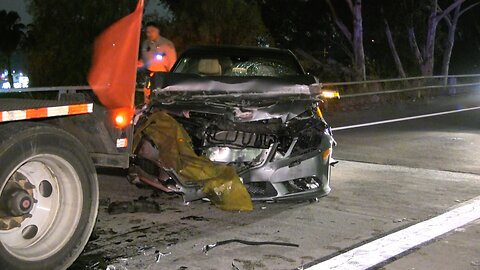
[(20, 202)]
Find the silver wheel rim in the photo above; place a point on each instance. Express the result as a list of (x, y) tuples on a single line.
[(54, 218)]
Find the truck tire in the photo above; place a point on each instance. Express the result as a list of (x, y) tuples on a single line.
[(48, 197)]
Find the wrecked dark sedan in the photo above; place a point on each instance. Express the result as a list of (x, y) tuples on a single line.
[(253, 109)]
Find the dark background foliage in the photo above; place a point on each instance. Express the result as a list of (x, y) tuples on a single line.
[(59, 41)]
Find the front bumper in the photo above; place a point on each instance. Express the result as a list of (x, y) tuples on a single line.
[(287, 177)]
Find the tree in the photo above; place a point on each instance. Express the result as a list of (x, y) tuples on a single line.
[(452, 22), (393, 46), (63, 33), (354, 35), (426, 56), (305, 28), (237, 22), (466, 52), (12, 33)]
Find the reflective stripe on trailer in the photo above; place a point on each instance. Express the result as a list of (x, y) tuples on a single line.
[(18, 115)]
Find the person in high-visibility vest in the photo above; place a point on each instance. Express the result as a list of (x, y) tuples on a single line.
[(158, 54)]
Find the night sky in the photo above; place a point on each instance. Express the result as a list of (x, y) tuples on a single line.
[(20, 7)]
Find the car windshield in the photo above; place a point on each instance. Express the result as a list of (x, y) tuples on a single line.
[(238, 66)]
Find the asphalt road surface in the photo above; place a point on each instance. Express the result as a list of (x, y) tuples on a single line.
[(389, 177)]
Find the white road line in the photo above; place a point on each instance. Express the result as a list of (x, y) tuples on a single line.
[(404, 119), (387, 247)]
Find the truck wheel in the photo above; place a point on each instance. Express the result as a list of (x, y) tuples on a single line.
[(48, 197)]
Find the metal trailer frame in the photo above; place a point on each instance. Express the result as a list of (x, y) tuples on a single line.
[(108, 145)]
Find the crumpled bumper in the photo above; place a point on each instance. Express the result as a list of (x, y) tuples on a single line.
[(305, 176)]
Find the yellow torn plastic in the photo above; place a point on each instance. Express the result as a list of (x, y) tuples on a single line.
[(220, 183)]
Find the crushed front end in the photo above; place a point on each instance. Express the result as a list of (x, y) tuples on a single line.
[(277, 159), (296, 165), (279, 145)]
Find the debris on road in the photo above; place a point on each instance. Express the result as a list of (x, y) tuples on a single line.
[(136, 206), (116, 267), (159, 255), (207, 248), (104, 202), (195, 218), (475, 263), (399, 220)]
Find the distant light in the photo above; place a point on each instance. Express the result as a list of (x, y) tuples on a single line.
[(18, 82), (373, 40), (24, 82)]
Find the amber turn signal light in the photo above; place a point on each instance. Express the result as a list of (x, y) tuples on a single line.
[(328, 94)]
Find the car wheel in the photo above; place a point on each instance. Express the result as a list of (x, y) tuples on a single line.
[(48, 197)]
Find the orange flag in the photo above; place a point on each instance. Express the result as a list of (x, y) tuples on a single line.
[(114, 66)]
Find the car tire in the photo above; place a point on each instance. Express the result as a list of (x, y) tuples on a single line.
[(63, 187)]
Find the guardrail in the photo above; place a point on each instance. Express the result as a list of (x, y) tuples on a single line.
[(61, 89), (347, 89), (392, 86)]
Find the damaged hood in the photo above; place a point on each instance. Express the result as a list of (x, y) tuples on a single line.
[(177, 86), (241, 99)]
